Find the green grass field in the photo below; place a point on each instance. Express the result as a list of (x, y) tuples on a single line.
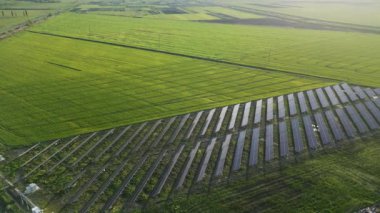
[(345, 56), (343, 180), (64, 87)]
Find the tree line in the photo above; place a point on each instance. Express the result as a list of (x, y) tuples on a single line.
[(14, 13)]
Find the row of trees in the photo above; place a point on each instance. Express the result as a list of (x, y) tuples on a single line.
[(14, 13)]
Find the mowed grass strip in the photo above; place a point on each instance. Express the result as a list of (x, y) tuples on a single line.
[(55, 87), (347, 56)]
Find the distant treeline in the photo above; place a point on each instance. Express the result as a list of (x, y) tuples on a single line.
[(14, 12)]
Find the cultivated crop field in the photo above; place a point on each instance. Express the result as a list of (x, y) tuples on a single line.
[(348, 56), (68, 88), (189, 106)]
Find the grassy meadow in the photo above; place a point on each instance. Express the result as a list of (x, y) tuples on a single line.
[(64, 87), (345, 56)]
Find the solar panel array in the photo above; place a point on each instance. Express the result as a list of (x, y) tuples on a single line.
[(114, 167)]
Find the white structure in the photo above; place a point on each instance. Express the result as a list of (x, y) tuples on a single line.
[(1, 158), (36, 210), (31, 188)]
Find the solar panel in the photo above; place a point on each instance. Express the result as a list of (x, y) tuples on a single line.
[(257, 118), (323, 131), (373, 109), (235, 111), (349, 92), (309, 130), (312, 100), (332, 97), (322, 98), (302, 102), (111, 200), (168, 169), (358, 121), (222, 155), (247, 109), (207, 122), (377, 91), (194, 124), (254, 149), (269, 142), (334, 126), (347, 125), (283, 138), (186, 169), (342, 96), (179, 128), (359, 92), (298, 145), (269, 109), (238, 151), (367, 116), (206, 159), (221, 119), (292, 105), (281, 107), (370, 92)]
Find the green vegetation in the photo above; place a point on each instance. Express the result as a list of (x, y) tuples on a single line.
[(343, 180), (64, 87), (345, 56)]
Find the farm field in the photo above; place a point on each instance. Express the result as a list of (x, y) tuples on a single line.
[(60, 91), (189, 106), (345, 56)]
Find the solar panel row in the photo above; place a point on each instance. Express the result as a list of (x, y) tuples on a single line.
[(349, 92), (269, 109), (302, 102), (358, 121), (292, 105), (297, 139), (283, 138), (235, 111), (359, 92), (221, 119), (223, 155), (373, 109), (322, 98), (334, 126), (377, 91), (206, 159), (312, 100), (187, 166), (347, 125), (281, 107), (367, 116), (332, 97), (247, 109), (309, 130), (238, 151), (259, 105), (323, 131), (194, 124), (342, 96), (208, 121), (254, 149), (269, 142)]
